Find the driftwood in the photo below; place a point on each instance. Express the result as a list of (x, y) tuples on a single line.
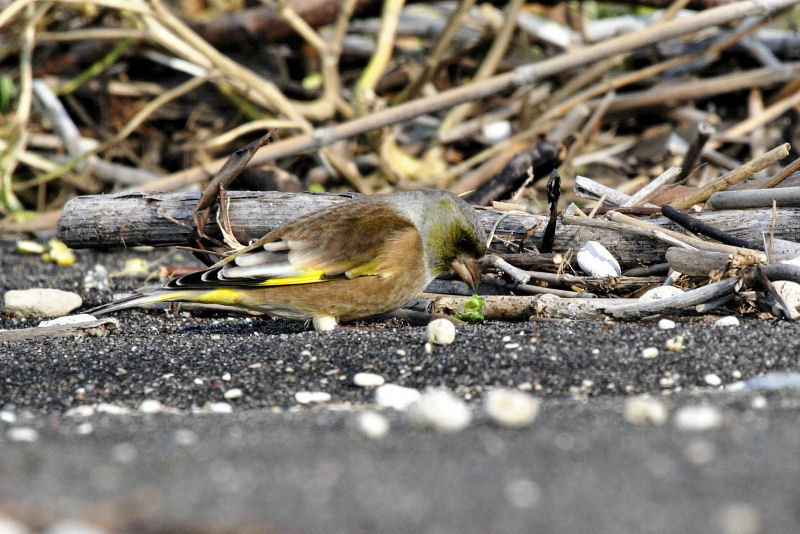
[(96, 328), (754, 198), (165, 219)]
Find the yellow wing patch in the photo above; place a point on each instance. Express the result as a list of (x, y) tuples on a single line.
[(308, 277)]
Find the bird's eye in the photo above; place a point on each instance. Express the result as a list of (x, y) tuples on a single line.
[(465, 243)]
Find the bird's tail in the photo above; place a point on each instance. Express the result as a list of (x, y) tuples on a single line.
[(152, 297)]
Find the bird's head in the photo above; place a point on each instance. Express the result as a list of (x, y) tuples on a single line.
[(452, 236)]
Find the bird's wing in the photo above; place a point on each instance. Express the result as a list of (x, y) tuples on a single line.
[(344, 241)]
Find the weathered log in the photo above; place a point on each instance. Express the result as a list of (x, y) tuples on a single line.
[(754, 198), (164, 219)]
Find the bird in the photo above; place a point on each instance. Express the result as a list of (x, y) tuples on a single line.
[(363, 257)]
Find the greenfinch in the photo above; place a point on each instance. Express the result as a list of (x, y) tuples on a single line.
[(351, 260)]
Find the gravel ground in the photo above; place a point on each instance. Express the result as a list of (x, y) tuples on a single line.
[(83, 438)]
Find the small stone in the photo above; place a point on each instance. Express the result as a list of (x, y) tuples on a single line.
[(11, 526), (80, 411), (372, 424), (233, 393), (226, 377), (730, 320), (712, 379), (309, 397), (7, 416), (697, 418), (397, 397), (649, 353), (511, 408), (674, 343), (441, 332), (40, 302), (112, 409), (440, 410), (151, 406), (217, 407), (73, 526), (595, 260), (22, 434), (660, 292), (368, 380), (496, 131), (511, 346), (645, 409), (666, 324), (185, 437), (84, 429), (759, 402), (666, 382), (68, 320), (739, 518), (324, 323)]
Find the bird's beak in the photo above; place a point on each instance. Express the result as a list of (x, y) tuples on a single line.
[(469, 271)]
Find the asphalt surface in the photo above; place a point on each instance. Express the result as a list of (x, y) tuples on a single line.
[(76, 441)]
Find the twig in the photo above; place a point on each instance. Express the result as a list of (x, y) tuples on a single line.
[(434, 58), (735, 176), (365, 87), (490, 62), (650, 190), (754, 198), (689, 298), (701, 135), (522, 76), (699, 227)]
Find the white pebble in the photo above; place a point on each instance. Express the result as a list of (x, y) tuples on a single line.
[(185, 437), (309, 397), (233, 393), (649, 353), (112, 409), (68, 320), (40, 302), (85, 410), (697, 418), (440, 410), (372, 424), (11, 526), (511, 346), (217, 407), (441, 332), (151, 406), (7, 416), (73, 526), (712, 379), (396, 397), (496, 131), (645, 409), (226, 377), (511, 408), (22, 433), (368, 380), (666, 324), (325, 323), (84, 429), (790, 293), (759, 402), (740, 518), (659, 293), (730, 320), (523, 493), (595, 260), (674, 343)]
